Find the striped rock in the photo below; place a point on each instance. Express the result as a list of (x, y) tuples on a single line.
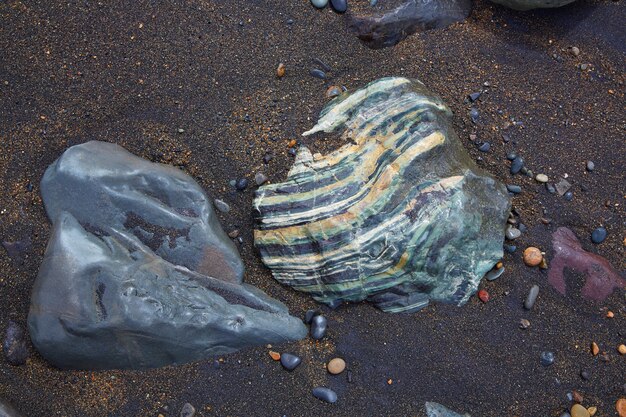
[(398, 215)]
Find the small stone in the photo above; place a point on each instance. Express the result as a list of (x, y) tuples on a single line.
[(620, 406), (260, 178), (333, 91), (543, 178), (325, 394), (267, 158), (495, 273), (292, 152), (590, 166), (577, 397), (316, 73), (583, 66), (484, 147), (550, 188), (543, 264), (320, 4), (188, 410), (290, 361), (511, 156), (308, 316), (280, 71), (318, 327), (562, 186), (474, 114), (524, 324), (221, 205), (595, 349), (578, 410), (621, 349), (532, 256), (510, 248), (241, 184), (569, 196), (274, 355), (336, 366), (483, 295), (339, 6), (547, 358), (565, 415), (598, 235), (592, 410), (512, 233), (532, 297), (14, 344), (575, 51), (515, 189), (610, 314), (233, 234), (181, 130), (474, 96), (506, 138), (584, 375), (517, 165)]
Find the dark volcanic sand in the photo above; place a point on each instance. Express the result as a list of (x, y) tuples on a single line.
[(135, 72)]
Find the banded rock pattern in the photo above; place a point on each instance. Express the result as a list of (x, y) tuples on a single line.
[(397, 216)]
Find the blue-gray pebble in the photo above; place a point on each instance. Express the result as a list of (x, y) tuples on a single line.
[(517, 165), (309, 315), (532, 297), (318, 327), (290, 361), (317, 74), (598, 235), (325, 394), (320, 4), (484, 147), (568, 196), (340, 6), (515, 189), (547, 358)]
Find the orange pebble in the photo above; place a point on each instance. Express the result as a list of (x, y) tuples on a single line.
[(532, 256), (275, 355)]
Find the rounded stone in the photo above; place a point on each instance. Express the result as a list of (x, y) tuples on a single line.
[(532, 256), (569, 196), (620, 406), (318, 327), (517, 165), (336, 366), (621, 349), (543, 178), (260, 178), (241, 184), (515, 189), (290, 361), (484, 147), (578, 410), (320, 4), (188, 410), (532, 297), (339, 6), (512, 233), (221, 205), (598, 235), (308, 316), (547, 358), (590, 166), (325, 394)]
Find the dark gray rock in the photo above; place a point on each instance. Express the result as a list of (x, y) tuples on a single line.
[(109, 190), (14, 345), (320, 4), (290, 361), (105, 299), (308, 317), (318, 327), (562, 186), (515, 189), (484, 147), (260, 178), (568, 196), (512, 233), (590, 166), (221, 205), (532, 297), (241, 184), (316, 73), (547, 358), (598, 235), (339, 6), (517, 165), (325, 394), (474, 96)]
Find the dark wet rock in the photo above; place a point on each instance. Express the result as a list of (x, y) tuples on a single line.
[(517, 165), (18, 250), (316, 73), (319, 325), (474, 114), (111, 191), (8, 410), (401, 18), (392, 208), (568, 196), (267, 158), (532, 297), (532, 4), (484, 147), (221, 205), (601, 277), (241, 184), (308, 317), (104, 298), (290, 361), (515, 189), (14, 345), (325, 394), (339, 6), (438, 410), (598, 235), (188, 410), (547, 358), (474, 96), (320, 4)]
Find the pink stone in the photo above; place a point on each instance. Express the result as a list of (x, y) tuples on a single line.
[(602, 278)]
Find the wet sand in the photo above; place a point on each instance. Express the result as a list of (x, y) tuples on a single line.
[(135, 73)]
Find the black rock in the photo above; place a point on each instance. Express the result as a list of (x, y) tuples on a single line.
[(292, 151), (325, 394), (318, 327), (290, 361), (547, 358), (14, 345), (511, 156), (317, 74), (339, 6), (267, 158), (241, 184), (517, 165), (568, 196), (515, 189), (484, 147), (510, 248), (322, 64), (598, 235), (474, 96), (308, 317)]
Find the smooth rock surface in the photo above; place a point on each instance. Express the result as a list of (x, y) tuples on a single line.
[(320, 4), (598, 235), (533, 4), (531, 297), (325, 394), (400, 19), (290, 361), (378, 218), (336, 366), (319, 325), (104, 299), (14, 344), (437, 410), (339, 6)]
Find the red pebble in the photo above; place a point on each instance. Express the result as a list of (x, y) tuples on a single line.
[(483, 295)]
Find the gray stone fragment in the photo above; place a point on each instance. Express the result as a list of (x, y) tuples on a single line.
[(14, 345), (532, 297), (221, 205), (188, 410), (562, 186), (437, 410), (108, 189), (512, 233)]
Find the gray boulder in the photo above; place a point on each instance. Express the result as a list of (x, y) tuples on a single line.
[(108, 297)]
